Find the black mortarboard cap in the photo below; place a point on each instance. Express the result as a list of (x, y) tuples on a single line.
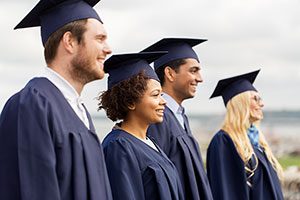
[(124, 66), (178, 48), (230, 87), (53, 14)]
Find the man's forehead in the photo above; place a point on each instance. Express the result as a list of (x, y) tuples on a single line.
[(192, 62), (95, 27)]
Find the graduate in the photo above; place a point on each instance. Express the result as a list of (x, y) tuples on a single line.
[(240, 163), (48, 146), (179, 73), (137, 168)]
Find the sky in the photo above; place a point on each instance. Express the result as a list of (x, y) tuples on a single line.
[(243, 36)]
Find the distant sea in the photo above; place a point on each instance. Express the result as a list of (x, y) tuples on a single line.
[(275, 123), (281, 130)]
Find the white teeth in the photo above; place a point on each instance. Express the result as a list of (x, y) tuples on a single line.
[(160, 111)]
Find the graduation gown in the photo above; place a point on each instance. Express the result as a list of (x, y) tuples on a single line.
[(226, 173), (183, 150), (46, 151), (137, 171)]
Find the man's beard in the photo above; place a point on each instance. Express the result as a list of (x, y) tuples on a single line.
[(82, 70)]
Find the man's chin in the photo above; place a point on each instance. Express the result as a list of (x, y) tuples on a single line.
[(99, 75), (192, 94), (95, 78)]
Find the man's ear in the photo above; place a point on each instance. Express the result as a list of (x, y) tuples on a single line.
[(169, 74), (69, 42)]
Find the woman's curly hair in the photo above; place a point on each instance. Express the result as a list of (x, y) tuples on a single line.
[(117, 100)]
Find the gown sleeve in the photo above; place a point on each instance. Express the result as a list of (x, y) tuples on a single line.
[(27, 154), (225, 170), (123, 171)]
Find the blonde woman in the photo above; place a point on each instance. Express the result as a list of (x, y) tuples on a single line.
[(240, 163)]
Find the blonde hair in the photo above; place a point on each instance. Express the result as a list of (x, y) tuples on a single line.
[(237, 122)]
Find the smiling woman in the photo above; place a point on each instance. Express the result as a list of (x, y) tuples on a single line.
[(240, 164), (137, 167), (256, 105)]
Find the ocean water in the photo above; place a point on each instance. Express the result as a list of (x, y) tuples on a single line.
[(279, 123), (281, 129)]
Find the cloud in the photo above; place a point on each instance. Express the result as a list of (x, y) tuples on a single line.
[(242, 36)]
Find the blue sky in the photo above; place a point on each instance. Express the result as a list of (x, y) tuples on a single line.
[(242, 36)]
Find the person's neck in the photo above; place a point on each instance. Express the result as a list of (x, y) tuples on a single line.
[(78, 86), (172, 94), (135, 127), (63, 71)]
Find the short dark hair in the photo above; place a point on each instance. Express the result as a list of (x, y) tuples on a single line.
[(77, 28), (117, 100), (174, 64)]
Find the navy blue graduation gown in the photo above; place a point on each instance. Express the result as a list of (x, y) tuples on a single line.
[(46, 152), (137, 171), (183, 150), (226, 173)]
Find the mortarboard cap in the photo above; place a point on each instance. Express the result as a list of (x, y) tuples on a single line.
[(53, 14), (178, 48), (230, 87), (124, 66)]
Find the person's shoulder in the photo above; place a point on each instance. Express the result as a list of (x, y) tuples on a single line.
[(221, 138), (115, 137), (29, 99), (221, 134), (39, 84), (34, 83), (168, 113), (37, 89), (119, 144), (32, 91)]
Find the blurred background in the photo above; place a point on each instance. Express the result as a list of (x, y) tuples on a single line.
[(242, 36)]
